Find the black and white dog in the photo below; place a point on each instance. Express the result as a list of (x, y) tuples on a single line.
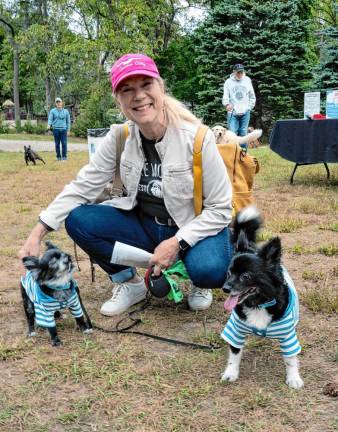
[(31, 156), (49, 287), (262, 300)]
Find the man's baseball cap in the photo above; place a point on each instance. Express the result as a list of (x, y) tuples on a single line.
[(238, 67), (131, 65), (58, 99)]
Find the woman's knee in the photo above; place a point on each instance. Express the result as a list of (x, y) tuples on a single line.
[(206, 269), (209, 276), (77, 220)]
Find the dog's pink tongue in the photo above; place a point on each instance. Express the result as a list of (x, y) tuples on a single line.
[(231, 302)]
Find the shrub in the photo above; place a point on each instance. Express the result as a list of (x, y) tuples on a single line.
[(40, 129), (28, 127), (4, 129)]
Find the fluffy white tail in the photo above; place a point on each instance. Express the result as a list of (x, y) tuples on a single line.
[(255, 134)]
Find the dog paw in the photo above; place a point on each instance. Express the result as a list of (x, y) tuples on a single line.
[(31, 334), (230, 375), (56, 343), (294, 382), (88, 331)]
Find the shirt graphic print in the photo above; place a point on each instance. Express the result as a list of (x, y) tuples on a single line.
[(150, 193)]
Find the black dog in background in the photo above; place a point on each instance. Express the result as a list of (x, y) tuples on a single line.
[(49, 287), (32, 156)]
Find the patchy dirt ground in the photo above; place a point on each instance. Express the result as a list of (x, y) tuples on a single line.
[(114, 382)]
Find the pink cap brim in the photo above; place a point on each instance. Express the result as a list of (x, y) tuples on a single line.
[(133, 73)]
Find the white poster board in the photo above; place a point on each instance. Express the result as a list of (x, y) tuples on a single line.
[(332, 103), (311, 103)]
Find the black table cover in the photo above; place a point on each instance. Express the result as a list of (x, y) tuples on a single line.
[(306, 141)]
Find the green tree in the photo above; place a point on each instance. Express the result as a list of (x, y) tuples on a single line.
[(326, 72), (273, 40), (178, 67)]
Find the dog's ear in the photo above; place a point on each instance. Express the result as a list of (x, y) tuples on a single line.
[(31, 263), (271, 252), (25, 147), (50, 245), (242, 244)]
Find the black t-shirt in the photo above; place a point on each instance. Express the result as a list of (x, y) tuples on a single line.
[(149, 195)]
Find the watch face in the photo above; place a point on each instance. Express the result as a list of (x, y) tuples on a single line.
[(183, 245)]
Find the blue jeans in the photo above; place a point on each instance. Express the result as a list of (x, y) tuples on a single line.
[(239, 124), (60, 135), (96, 228)]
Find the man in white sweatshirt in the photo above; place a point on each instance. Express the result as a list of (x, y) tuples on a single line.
[(239, 99)]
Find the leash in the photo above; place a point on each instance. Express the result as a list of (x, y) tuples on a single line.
[(137, 321), (229, 121)]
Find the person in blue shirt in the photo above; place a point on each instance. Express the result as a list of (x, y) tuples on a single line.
[(59, 122)]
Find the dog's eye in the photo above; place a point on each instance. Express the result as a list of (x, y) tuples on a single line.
[(228, 274), (244, 277)]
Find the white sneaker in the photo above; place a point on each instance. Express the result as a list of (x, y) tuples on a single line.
[(124, 295), (199, 298)]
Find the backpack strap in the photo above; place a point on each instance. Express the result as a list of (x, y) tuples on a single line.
[(197, 168), (121, 136)]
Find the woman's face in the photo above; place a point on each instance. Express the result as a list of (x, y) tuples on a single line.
[(141, 99)]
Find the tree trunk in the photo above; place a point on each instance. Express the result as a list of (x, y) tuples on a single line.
[(15, 47), (16, 85), (48, 94)]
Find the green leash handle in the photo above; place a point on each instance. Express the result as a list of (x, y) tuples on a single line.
[(179, 270)]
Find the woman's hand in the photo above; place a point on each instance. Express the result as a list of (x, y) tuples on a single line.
[(165, 255), (31, 246)]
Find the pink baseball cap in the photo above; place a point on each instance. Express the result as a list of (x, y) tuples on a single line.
[(132, 64)]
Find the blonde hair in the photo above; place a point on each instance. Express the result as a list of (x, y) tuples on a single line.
[(174, 110)]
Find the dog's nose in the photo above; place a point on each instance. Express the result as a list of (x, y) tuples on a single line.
[(226, 288)]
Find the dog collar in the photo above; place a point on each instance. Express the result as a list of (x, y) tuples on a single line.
[(267, 304), (60, 287)]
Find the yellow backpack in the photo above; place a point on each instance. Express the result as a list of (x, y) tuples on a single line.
[(241, 169)]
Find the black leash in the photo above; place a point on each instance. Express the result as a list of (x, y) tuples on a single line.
[(137, 321)]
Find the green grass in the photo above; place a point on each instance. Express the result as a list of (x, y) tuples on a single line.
[(265, 235), (276, 172), (329, 250), (299, 249), (287, 225), (329, 227)]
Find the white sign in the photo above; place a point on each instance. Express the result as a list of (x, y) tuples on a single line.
[(311, 103), (332, 103)]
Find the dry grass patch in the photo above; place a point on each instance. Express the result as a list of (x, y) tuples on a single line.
[(310, 205), (113, 382), (314, 276), (299, 249), (321, 298), (286, 225)]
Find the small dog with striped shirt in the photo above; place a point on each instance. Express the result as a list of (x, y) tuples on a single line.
[(49, 287), (262, 298)]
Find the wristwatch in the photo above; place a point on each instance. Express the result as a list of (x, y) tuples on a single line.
[(184, 246)]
